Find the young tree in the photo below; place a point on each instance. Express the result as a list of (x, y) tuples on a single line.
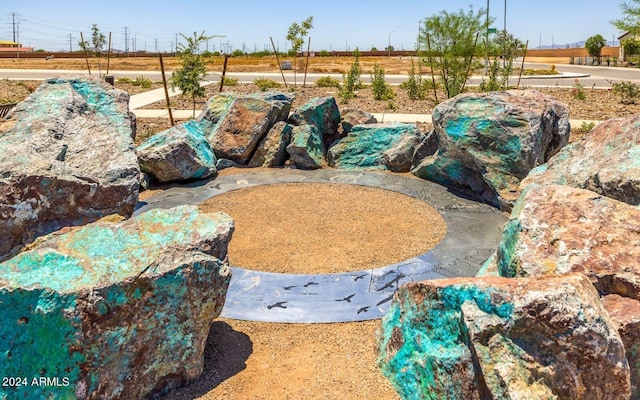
[(450, 40), (193, 69), (503, 48), (98, 41), (594, 46), (296, 35)]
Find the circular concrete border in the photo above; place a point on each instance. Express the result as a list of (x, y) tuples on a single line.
[(473, 233)]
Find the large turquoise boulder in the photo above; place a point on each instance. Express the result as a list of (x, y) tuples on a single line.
[(67, 157), (306, 149), (489, 142), (235, 124), (321, 112), (502, 338), (179, 153), (281, 101), (606, 161), (376, 146), (114, 310)]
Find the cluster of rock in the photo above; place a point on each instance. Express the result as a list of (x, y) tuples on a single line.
[(555, 312), (110, 309)]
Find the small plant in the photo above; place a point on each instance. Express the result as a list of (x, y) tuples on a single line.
[(586, 127), (142, 82), (193, 69), (578, 91), (327, 81), (415, 87), (231, 81), (381, 90), (351, 82), (124, 81), (264, 84), (628, 91)]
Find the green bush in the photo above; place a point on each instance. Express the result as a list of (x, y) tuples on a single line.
[(628, 91), (578, 91), (124, 80), (586, 127), (381, 90), (264, 84), (327, 81), (351, 81), (142, 82), (231, 81)]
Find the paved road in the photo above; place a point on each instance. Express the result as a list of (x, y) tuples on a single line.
[(588, 76)]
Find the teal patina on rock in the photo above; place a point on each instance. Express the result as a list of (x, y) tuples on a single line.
[(473, 338), (181, 152), (489, 142), (606, 161), (121, 310), (282, 101), (306, 149), (321, 112), (376, 146), (68, 159), (234, 125)]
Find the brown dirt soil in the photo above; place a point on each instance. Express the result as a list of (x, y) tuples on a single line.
[(256, 360)]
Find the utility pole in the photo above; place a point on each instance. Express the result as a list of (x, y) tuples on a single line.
[(156, 45), (126, 39), (70, 42), (14, 27)]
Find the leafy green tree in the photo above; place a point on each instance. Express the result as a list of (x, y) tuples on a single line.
[(193, 69), (296, 35), (503, 49), (630, 22), (631, 46), (594, 46), (450, 40)]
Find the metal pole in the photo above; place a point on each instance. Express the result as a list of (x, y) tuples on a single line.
[(108, 54), (505, 16), (166, 91)]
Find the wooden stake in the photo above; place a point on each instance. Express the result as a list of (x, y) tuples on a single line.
[(166, 91), (526, 46), (433, 76), (306, 64), (86, 57), (278, 61), (224, 72), (108, 54)]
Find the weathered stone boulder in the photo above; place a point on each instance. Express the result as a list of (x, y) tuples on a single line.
[(179, 153), (120, 310), (376, 146), (489, 142), (351, 117), (306, 149), (625, 314), (281, 101), (234, 125), (272, 150), (555, 230), (606, 161), (500, 338), (321, 112), (67, 157)]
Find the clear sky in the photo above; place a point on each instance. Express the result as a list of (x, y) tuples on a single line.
[(338, 25)]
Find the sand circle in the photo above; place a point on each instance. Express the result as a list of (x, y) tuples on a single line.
[(320, 228)]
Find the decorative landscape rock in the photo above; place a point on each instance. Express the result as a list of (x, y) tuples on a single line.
[(606, 161), (321, 112), (555, 230), (306, 149), (120, 310), (351, 117), (473, 338), (272, 150), (179, 153), (376, 146), (279, 100), (68, 158), (235, 125), (489, 142)]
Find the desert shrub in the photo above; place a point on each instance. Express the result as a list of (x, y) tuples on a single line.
[(586, 127), (231, 81), (578, 91), (142, 82), (381, 90), (124, 81), (265, 84), (628, 91), (351, 82), (327, 81)]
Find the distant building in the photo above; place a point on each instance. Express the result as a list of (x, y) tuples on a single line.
[(625, 36), (7, 46)]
